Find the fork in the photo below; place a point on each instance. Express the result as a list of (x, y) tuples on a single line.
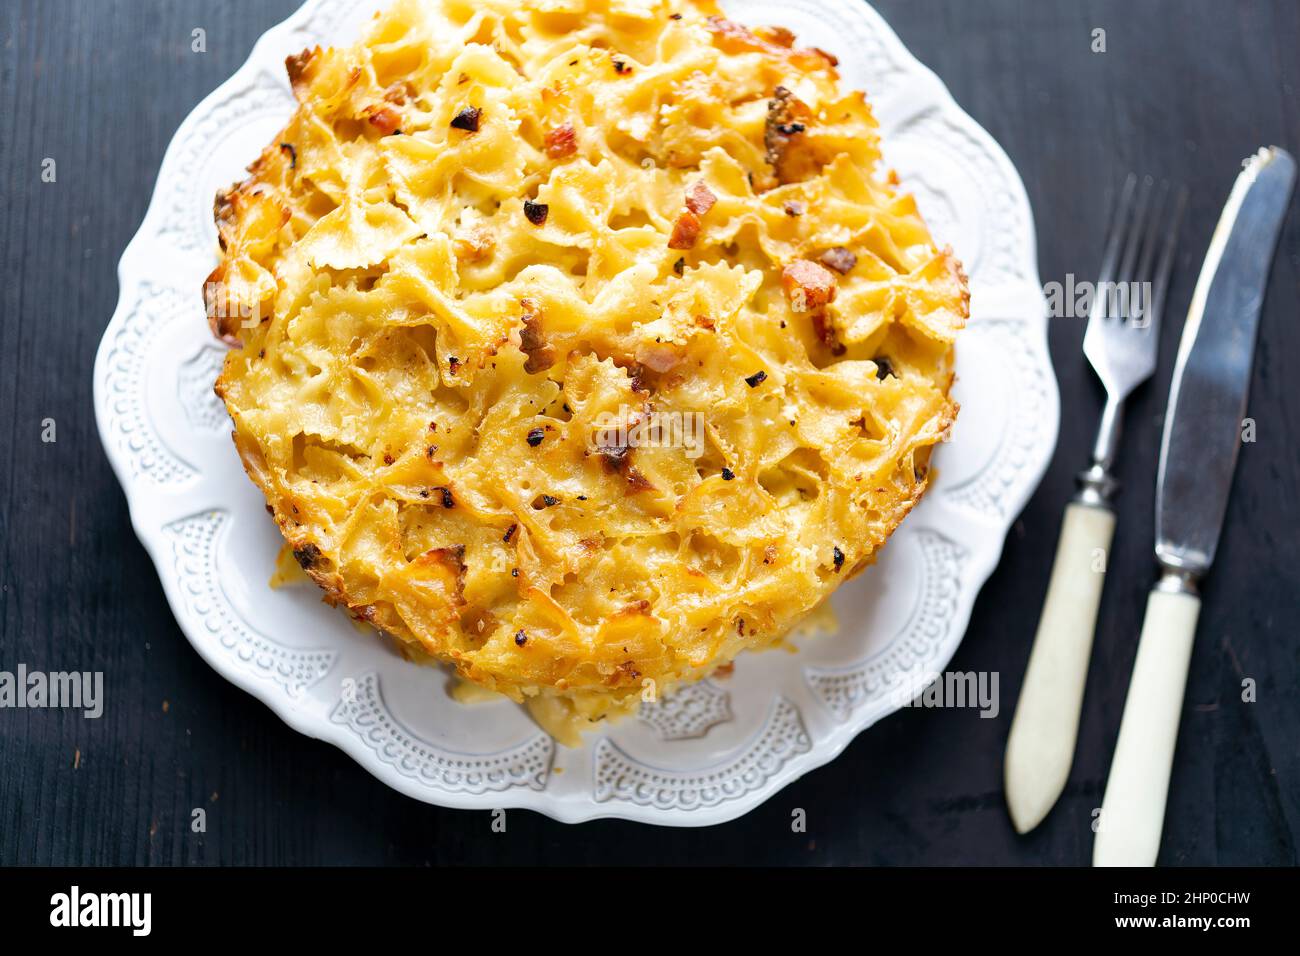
[(1120, 344)]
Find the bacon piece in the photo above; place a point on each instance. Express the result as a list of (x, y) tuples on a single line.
[(385, 119), (700, 199), (659, 356), (562, 141), (839, 259), (731, 37), (540, 355), (808, 285), (788, 118), (685, 231)]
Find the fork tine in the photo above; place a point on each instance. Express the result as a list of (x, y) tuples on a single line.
[(1118, 221), (1129, 259), (1143, 315), (1152, 238), (1118, 342), (1160, 284), (1117, 297)]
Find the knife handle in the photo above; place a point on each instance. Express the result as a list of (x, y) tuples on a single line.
[(1040, 747), (1133, 809)]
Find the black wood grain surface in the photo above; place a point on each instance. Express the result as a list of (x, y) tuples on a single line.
[(1184, 90)]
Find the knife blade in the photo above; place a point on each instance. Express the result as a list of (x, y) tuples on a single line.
[(1207, 401), (1198, 454)]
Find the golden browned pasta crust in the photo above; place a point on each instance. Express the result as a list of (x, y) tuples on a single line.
[(495, 228)]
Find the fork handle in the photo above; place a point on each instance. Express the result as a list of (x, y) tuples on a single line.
[(1040, 748)]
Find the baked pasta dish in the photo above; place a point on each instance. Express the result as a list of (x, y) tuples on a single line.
[(581, 344)]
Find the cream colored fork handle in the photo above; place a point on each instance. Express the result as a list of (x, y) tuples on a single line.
[(1133, 809), (1040, 748)]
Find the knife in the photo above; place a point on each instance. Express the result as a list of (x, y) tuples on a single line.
[(1202, 435)]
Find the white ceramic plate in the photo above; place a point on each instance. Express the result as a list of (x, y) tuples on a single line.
[(713, 751)]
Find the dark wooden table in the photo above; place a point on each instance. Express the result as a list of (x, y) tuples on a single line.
[(1184, 90)]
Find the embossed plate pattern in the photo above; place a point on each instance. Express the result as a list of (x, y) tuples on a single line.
[(709, 753)]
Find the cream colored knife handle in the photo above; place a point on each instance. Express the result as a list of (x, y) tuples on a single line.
[(1133, 809), (1046, 724)]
